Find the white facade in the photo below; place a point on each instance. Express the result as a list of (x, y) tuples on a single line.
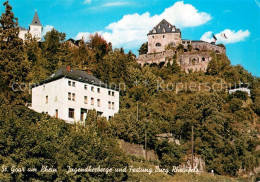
[(70, 100), (22, 33), (242, 89), (36, 32)]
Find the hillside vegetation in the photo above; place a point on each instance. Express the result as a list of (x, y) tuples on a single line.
[(153, 100)]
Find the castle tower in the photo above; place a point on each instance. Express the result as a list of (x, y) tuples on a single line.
[(162, 35), (36, 27)]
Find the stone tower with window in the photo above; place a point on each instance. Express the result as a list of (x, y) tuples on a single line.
[(36, 27), (162, 35)]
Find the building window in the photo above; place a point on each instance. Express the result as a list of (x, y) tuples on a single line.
[(153, 37), (73, 84), (92, 101), (86, 87), (113, 105), (92, 89), (98, 90), (56, 113), (69, 96), (71, 113), (109, 105), (163, 30), (163, 36), (98, 102), (73, 97), (85, 100), (69, 83), (158, 44), (109, 92), (46, 99), (113, 93)]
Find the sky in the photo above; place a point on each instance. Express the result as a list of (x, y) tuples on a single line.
[(126, 23)]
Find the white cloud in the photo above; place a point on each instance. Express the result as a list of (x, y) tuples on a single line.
[(87, 1), (84, 35), (232, 36), (118, 3), (46, 29), (131, 30)]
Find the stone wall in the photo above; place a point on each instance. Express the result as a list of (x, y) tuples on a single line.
[(203, 46), (137, 150), (194, 61), (189, 61), (198, 163), (154, 58)]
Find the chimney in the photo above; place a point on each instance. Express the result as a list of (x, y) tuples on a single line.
[(89, 72), (68, 68)]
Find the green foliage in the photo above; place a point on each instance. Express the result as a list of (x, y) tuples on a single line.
[(180, 47), (235, 104), (240, 95), (144, 48), (175, 67), (98, 43), (169, 153), (225, 133), (13, 65), (29, 139), (54, 50), (190, 47)]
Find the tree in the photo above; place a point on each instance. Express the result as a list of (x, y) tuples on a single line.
[(213, 67), (54, 50), (13, 65), (190, 47), (175, 67), (143, 49), (31, 140), (98, 43)]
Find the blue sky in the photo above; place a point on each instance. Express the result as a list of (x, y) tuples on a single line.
[(126, 23)]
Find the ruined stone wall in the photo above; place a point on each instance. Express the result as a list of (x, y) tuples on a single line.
[(154, 58), (163, 40), (194, 61), (205, 46), (189, 61), (137, 150)]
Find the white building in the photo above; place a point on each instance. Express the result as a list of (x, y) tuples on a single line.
[(242, 89), (35, 29), (68, 94)]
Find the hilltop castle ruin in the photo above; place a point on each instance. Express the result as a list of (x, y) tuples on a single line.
[(163, 41)]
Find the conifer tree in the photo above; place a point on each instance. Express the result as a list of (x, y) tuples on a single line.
[(54, 50), (13, 66)]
